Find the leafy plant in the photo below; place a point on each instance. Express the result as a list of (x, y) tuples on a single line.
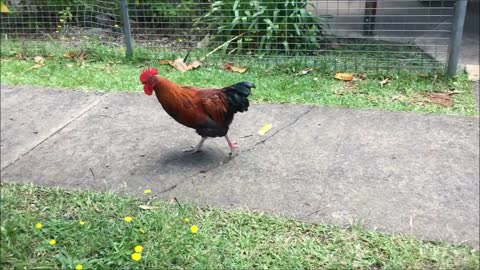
[(265, 26), (66, 17), (167, 15), (34, 15)]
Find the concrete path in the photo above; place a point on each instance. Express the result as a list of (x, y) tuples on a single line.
[(396, 172)]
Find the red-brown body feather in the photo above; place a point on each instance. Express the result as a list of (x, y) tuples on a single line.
[(208, 111)]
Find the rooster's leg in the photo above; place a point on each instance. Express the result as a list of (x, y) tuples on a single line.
[(197, 147), (233, 145)]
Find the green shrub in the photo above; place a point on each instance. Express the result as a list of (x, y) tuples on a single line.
[(165, 15), (30, 16), (265, 26)]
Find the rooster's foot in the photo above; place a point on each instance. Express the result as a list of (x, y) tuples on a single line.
[(196, 148), (234, 147), (232, 144)]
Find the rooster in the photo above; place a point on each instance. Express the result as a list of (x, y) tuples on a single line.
[(209, 111)]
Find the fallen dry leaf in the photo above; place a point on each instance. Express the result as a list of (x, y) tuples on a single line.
[(82, 55), (344, 76), (166, 62), (230, 67), (39, 60), (384, 81), (238, 69), (70, 55), (179, 65), (265, 129), (305, 71), (148, 207), (195, 64), (442, 99)]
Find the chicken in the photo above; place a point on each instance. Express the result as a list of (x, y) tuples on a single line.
[(209, 111)]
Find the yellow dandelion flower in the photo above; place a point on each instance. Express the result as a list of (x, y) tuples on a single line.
[(146, 191), (138, 249), (59, 26), (52, 242), (78, 267), (81, 222), (187, 220), (62, 20), (136, 256), (38, 225), (127, 219), (194, 229)]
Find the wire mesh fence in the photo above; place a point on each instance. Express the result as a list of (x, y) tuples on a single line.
[(40, 25), (341, 34)]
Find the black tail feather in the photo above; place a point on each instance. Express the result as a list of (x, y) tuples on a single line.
[(237, 96)]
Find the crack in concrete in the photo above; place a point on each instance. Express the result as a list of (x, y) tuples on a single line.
[(251, 148), (279, 130), (58, 129)]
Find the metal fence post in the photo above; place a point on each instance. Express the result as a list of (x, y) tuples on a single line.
[(456, 38), (126, 28)]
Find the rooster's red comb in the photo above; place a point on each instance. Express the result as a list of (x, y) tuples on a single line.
[(147, 74)]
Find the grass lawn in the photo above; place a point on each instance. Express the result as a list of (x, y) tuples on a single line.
[(109, 71), (225, 240)]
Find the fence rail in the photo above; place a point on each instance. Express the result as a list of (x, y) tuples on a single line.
[(354, 34)]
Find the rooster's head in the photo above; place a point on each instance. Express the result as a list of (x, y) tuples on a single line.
[(146, 79)]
